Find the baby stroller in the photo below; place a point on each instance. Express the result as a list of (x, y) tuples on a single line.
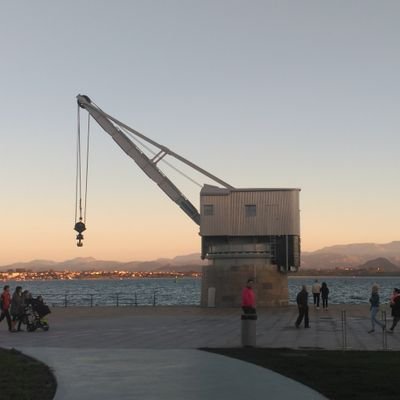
[(35, 312)]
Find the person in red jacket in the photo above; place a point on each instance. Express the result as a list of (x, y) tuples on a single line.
[(249, 298), (5, 305)]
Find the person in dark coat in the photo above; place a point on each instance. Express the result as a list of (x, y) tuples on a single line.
[(26, 299), (374, 308), (17, 307), (302, 304), (324, 295), (395, 306)]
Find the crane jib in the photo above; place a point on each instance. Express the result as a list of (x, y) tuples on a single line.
[(149, 166)]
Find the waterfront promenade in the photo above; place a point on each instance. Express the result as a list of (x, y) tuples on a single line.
[(194, 327), (150, 352)]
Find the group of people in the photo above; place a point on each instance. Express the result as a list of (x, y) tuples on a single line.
[(249, 300), (374, 308), (321, 291), (13, 307)]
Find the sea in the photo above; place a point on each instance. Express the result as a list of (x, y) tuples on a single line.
[(185, 291)]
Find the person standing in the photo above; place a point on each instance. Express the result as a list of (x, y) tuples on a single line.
[(249, 298), (374, 308), (395, 306), (302, 304), (17, 306), (5, 305), (316, 291), (324, 295), (26, 299)]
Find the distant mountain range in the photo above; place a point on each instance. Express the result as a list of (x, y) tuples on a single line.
[(351, 255), (339, 256), (190, 262)]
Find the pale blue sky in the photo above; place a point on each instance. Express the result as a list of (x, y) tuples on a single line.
[(260, 93)]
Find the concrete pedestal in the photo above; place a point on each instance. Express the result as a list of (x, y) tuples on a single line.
[(224, 279), (249, 330)]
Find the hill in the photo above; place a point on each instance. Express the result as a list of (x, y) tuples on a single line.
[(381, 264), (350, 255), (190, 262), (355, 255)]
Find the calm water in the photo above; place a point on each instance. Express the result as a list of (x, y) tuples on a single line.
[(186, 291)]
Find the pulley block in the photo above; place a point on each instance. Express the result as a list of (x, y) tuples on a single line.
[(79, 227)]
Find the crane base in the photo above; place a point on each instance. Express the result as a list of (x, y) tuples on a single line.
[(224, 279)]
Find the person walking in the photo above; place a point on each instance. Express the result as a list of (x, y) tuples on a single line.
[(324, 295), (26, 299), (17, 307), (316, 291), (249, 298), (374, 308), (395, 306), (302, 304), (5, 305)]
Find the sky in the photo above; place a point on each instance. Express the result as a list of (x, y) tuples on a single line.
[(292, 94)]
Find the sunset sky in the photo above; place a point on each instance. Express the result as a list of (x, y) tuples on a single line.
[(298, 94)]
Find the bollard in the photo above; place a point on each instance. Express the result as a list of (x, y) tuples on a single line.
[(249, 329), (91, 300), (65, 300), (136, 304), (344, 330), (117, 299)]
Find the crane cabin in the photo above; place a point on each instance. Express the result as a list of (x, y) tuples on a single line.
[(248, 233)]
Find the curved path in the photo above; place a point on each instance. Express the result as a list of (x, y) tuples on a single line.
[(119, 374)]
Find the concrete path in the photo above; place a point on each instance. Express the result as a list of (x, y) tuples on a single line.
[(149, 352), (122, 374)]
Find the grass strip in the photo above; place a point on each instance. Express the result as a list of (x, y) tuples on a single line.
[(24, 378), (338, 375)]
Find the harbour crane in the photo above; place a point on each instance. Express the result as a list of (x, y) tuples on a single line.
[(245, 232)]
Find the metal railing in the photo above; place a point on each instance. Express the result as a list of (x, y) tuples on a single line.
[(120, 299), (344, 330)]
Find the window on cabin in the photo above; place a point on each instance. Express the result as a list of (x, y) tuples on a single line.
[(208, 209), (251, 210)]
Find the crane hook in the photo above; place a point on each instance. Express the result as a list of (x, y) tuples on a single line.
[(79, 227)]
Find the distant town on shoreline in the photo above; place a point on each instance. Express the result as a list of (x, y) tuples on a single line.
[(26, 275), (23, 275), (363, 259)]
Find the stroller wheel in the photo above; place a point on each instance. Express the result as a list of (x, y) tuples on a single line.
[(30, 327), (45, 327)]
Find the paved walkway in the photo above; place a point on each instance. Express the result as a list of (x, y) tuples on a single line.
[(149, 352), (122, 374)]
